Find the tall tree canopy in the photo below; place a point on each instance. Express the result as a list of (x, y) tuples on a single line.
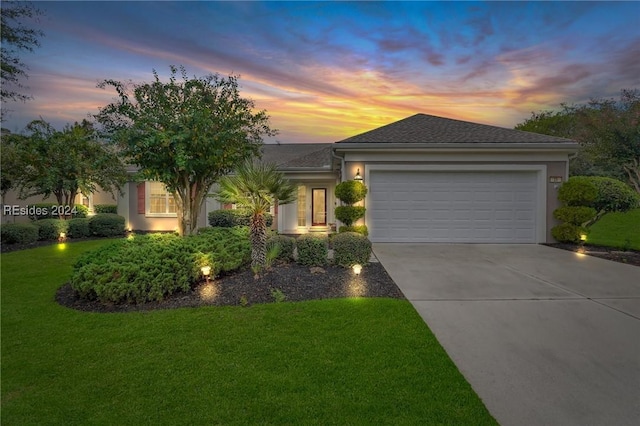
[(65, 162), (608, 131), (184, 133), (16, 37)]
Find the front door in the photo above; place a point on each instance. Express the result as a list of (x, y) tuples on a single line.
[(318, 207)]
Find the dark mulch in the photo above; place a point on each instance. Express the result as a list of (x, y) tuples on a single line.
[(296, 283), (630, 257)]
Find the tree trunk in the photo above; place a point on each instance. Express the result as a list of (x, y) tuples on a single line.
[(633, 171), (258, 236)]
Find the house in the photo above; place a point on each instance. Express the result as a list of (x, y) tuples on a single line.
[(430, 179)]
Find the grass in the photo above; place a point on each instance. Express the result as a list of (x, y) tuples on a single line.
[(621, 230), (344, 361)]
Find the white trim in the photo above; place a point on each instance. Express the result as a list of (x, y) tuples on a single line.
[(147, 204), (541, 177), (475, 157)]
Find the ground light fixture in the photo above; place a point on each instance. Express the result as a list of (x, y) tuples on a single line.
[(357, 269), (206, 271), (583, 237), (62, 237)]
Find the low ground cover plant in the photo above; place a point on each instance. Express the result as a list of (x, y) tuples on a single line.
[(150, 267)]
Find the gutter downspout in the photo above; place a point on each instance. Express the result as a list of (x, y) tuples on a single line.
[(333, 154)]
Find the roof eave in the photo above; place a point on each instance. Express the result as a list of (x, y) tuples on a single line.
[(379, 146)]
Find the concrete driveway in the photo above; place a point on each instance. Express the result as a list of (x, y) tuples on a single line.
[(544, 336)]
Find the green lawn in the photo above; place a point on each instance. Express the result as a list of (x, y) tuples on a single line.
[(347, 361), (620, 230)]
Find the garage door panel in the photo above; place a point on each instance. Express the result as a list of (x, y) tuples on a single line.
[(452, 206)]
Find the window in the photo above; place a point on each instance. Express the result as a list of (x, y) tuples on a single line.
[(160, 201), (302, 203)]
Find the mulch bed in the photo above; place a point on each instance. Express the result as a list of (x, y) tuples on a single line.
[(630, 257), (296, 283)]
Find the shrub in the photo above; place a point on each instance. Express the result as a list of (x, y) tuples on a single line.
[(287, 244), (312, 249), (567, 232), (578, 191), (107, 225), (360, 229), (576, 215), (105, 208), (150, 267), (613, 195), (18, 233), (50, 229), (350, 248), (349, 214), (226, 218), (351, 191), (52, 210), (79, 228)]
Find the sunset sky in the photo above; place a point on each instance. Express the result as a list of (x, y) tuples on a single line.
[(326, 71)]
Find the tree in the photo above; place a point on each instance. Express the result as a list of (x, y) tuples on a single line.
[(256, 187), (11, 164), (66, 162), (185, 134), (16, 37), (608, 132)]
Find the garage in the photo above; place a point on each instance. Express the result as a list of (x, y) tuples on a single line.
[(453, 206)]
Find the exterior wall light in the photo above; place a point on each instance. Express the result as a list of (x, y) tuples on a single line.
[(358, 177), (357, 269)]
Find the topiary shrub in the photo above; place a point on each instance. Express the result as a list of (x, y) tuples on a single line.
[(350, 248), (360, 229), (106, 225), (567, 232), (79, 228), (349, 214), (18, 233), (613, 195), (105, 208), (578, 191), (576, 215), (50, 229), (350, 192), (226, 218), (287, 244), (312, 249)]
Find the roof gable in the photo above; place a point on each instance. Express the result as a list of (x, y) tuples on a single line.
[(429, 129)]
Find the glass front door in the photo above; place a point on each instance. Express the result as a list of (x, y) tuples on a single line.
[(319, 207)]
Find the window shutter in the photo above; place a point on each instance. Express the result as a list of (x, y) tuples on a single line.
[(141, 198)]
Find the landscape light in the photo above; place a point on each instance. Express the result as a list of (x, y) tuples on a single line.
[(583, 237), (62, 237), (357, 269), (206, 271)]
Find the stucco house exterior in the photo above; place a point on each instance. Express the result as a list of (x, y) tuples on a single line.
[(430, 179)]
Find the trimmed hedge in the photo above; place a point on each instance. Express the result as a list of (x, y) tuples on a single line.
[(107, 225), (79, 228), (350, 248), (150, 267), (228, 218), (312, 249), (351, 191), (287, 244), (50, 229), (18, 233), (567, 232), (106, 208), (52, 210), (576, 215), (360, 229)]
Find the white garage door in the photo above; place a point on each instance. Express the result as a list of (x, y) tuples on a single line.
[(436, 206)]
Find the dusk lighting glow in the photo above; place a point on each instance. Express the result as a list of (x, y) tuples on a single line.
[(325, 71)]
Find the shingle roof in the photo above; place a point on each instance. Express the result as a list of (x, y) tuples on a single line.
[(298, 155), (429, 129)]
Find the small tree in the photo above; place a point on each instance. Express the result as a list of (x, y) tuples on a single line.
[(256, 187), (185, 134), (350, 192)]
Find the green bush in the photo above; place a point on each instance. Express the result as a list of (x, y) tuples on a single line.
[(613, 195), (312, 249), (567, 232), (50, 229), (360, 229), (576, 215), (79, 228), (287, 244), (350, 248), (228, 218), (578, 191), (52, 210), (106, 225), (351, 191), (349, 214), (18, 233), (150, 267), (106, 208)]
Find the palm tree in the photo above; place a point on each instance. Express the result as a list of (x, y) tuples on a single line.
[(256, 187)]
